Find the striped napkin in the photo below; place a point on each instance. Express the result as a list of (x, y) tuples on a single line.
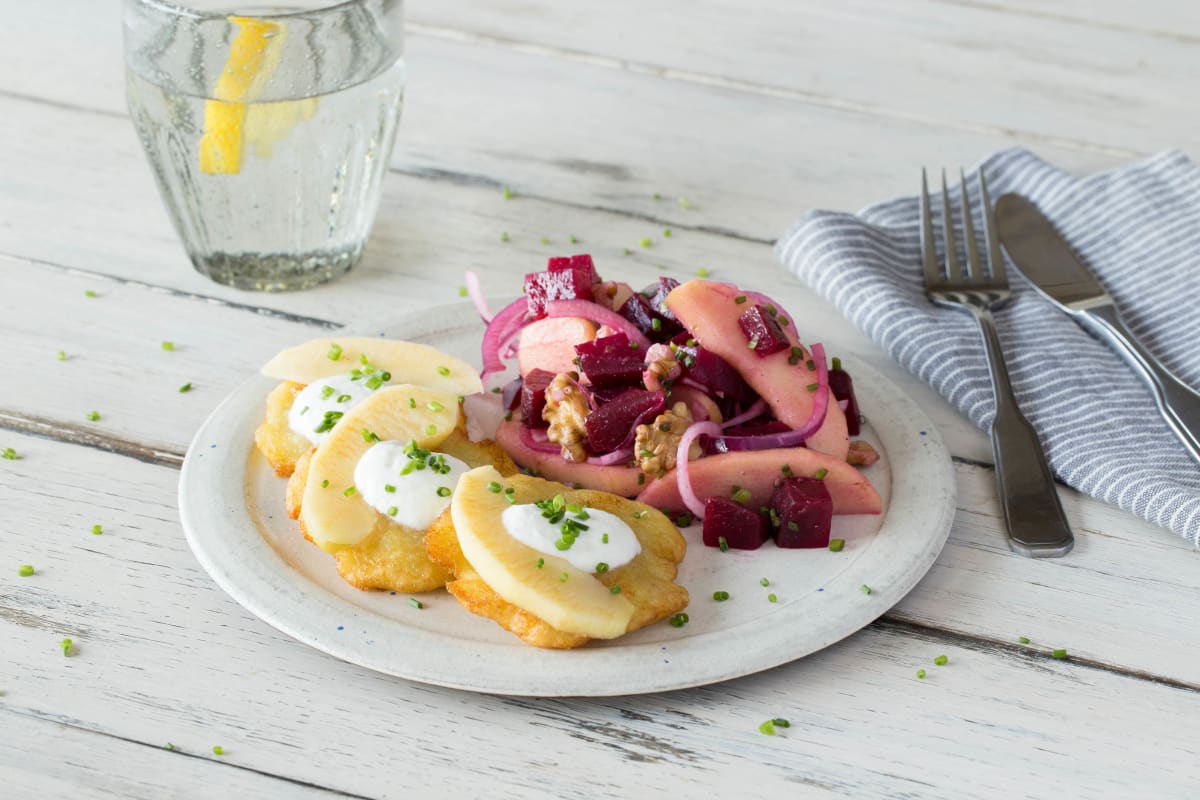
[(1137, 228)]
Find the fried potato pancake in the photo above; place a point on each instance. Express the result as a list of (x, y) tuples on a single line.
[(647, 581), (282, 446)]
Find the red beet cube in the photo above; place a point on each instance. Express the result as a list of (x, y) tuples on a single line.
[(562, 282), (805, 512), (763, 334), (656, 295), (582, 261), (611, 361), (533, 397), (843, 391), (656, 326), (740, 527), (709, 369), (611, 426)]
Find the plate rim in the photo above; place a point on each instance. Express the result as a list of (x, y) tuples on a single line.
[(920, 467)]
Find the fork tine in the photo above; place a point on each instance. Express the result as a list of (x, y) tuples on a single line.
[(952, 268), (974, 268), (995, 259), (928, 246)]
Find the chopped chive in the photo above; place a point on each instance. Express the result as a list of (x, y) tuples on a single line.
[(170, 746), (387, 487), (335, 352), (435, 406), (504, 237), (9, 454), (541, 562), (415, 603), (683, 520), (66, 645), (392, 511), (645, 242), (921, 674), (865, 589), (25, 570), (763, 582), (604, 538), (783, 321), (628, 252), (837, 545), (615, 590), (667, 233), (771, 598), (812, 387), (412, 402), (369, 436), (741, 298), (573, 239), (508, 193), (494, 487), (657, 196), (837, 363), (349, 490), (794, 355), (443, 371), (89, 293), (325, 484), (94, 416), (656, 324), (741, 496), (602, 567), (545, 240), (168, 346), (685, 203), (810, 364), (792, 526), (462, 291), (767, 727), (218, 750), (61, 355), (187, 387), (780, 722), (512, 499), (720, 596), (941, 661), (820, 474), (679, 620), (563, 577), (702, 273), (1059, 654), (786, 470), (723, 543), (430, 430), (1023, 640), (97, 529), (443, 491)]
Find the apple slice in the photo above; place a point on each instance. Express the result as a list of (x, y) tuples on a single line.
[(332, 514), (549, 344), (623, 481), (567, 598), (710, 312), (757, 470), (408, 362)]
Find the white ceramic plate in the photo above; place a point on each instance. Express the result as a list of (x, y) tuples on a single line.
[(231, 505)]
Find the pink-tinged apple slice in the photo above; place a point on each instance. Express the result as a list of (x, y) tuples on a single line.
[(710, 312), (757, 470), (617, 480), (549, 344)]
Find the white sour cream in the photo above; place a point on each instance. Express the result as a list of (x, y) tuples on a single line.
[(526, 524), (338, 393), (414, 500)]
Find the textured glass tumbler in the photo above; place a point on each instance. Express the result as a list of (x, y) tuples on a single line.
[(268, 128)]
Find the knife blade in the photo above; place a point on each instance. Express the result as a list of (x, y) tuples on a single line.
[(1044, 257)]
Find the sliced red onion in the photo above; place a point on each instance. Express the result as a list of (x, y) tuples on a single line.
[(792, 438), (500, 335), (615, 457), (600, 315), (475, 292), (686, 493), (750, 413), (529, 439)]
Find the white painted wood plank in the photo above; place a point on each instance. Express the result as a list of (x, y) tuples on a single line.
[(52, 758), (163, 655), (1171, 20)]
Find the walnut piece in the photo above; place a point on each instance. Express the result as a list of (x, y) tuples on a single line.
[(861, 454), (657, 444), (566, 409)]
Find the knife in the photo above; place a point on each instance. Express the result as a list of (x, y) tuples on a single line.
[(1053, 268)]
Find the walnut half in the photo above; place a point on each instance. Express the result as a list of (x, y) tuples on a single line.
[(566, 410), (656, 444)]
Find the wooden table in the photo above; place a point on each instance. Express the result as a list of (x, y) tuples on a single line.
[(590, 113)]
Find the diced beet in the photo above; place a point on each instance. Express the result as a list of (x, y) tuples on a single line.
[(582, 261), (742, 528), (763, 334), (656, 295), (602, 395), (533, 397), (562, 282), (843, 390), (805, 512), (511, 395), (709, 370), (611, 426), (656, 326), (611, 361), (712, 446)]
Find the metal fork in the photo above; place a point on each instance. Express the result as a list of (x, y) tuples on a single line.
[(1033, 514)]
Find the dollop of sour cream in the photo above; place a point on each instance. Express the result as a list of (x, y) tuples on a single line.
[(607, 539), (333, 395), (413, 499)]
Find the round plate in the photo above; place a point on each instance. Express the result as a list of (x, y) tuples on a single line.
[(232, 508)]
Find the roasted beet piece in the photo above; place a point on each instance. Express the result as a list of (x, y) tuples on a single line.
[(656, 294), (611, 361), (611, 426), (843, 390), (763, 334), (740, 527), (567, 278), (805, 512), (533, 397), (657, 326), (709, 369)]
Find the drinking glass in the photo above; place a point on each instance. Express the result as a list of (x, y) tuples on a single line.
[(268, 128)]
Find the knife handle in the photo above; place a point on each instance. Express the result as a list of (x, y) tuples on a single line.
[(1033, 514), (1178, 404)]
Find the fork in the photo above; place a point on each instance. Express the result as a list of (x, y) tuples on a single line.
[(1033, 514)]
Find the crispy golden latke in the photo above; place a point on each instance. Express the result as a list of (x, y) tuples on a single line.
[(393, 557), (282, 446), (647, 581)]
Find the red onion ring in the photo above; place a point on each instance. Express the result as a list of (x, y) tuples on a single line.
[(475, 292), (546, 446), (598, 314), (750, 413), (686, 493), (615, 457), (500, 334)]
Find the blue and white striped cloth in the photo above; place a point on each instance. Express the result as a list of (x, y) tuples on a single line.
[(1137, 228)]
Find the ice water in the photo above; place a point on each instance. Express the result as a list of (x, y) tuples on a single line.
[(297, 208)]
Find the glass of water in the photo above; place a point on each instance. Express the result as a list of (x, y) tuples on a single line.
[(268, 127)]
